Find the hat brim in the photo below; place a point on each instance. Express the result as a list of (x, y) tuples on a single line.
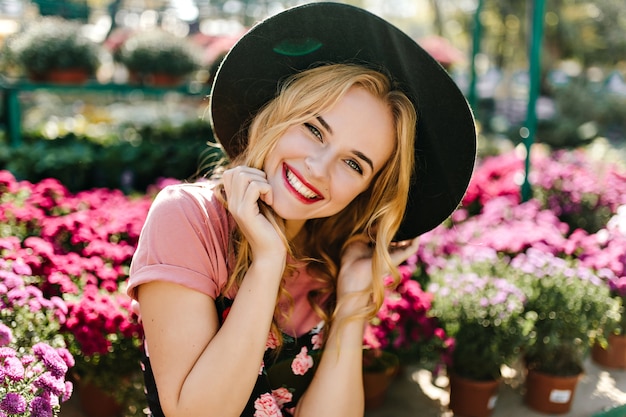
[(318, 33)]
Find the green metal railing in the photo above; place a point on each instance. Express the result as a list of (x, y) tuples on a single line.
[(534, 55)]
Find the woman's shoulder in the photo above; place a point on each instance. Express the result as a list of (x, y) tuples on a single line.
[(202, 189), (200, 195)]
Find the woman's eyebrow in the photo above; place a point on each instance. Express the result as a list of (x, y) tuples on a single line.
[(326, 126), (362, 156)]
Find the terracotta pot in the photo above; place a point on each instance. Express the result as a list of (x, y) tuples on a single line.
[(550, 394), (155, 79), (95, 402), (470, 398), (165, 80), (614, 356), (68, 76), (62, 76), (376, 384)]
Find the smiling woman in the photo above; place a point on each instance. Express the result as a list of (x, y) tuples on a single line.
[(282, 253)]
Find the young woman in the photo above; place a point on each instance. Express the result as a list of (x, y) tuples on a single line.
[(254, 287)]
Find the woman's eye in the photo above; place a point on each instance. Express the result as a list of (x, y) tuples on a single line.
[(315, 131), (354, 165)]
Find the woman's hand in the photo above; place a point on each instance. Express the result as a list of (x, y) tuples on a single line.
[(244, 187), (355, 274)]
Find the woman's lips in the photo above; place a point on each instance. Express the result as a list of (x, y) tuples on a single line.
[(299, 187)]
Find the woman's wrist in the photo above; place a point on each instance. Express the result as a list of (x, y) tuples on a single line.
[(351, 304), (269, 264)]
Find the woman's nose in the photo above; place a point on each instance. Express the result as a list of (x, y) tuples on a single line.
[(318, 163)]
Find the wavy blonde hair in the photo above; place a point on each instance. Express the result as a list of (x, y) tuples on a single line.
[(375, 214)]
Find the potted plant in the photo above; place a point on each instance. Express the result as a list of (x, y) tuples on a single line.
[(158, 57), (55, 50), (483, 311), (108, 346), (379, 370), (572, 307), (401, 333), (404, 327), (605, 251)]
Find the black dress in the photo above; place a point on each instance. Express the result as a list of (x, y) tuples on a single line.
[(283, 377)]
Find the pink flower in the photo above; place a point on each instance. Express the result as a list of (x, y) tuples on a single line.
[(6, 335), (266, 406), (272, 341), (302, 362), (282, 396), (318, 341)]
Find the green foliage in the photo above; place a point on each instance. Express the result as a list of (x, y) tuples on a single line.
[(157, 51), (80, 163), (52, 43), (585, 110)]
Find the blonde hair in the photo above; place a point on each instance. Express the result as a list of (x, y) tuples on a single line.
[(375, 214)]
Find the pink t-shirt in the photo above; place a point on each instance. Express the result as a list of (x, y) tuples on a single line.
[(185, 241)]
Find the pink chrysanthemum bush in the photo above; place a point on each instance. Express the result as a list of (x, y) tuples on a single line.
[(580, 190), (568, 220), (78, 249), (32, 381), (34, 361)]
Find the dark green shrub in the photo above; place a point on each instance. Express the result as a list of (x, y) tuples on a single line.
[(157, 51), (52, 43), (182, 153)]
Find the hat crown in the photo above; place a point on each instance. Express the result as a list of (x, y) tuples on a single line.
[(319, 33)]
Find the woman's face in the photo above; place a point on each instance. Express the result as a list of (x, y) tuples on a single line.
[(317, 168)]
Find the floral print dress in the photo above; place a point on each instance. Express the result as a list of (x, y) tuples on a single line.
[(283, 376)]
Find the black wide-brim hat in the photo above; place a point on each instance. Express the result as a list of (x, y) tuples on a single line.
[(320, 33)]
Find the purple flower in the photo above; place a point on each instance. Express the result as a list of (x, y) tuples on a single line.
[(13, 403), (51, 358), (20, 268), (66, 356), (6, 352), (28, 359), (5, 334), (13, 368), (69, 389), (41, 407), (49, 383)]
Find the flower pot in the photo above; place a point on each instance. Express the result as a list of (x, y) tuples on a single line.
[(614, 356), (62, 76), (155, 79), (470, 398), (550, 394), (95, 402), (376, 383)]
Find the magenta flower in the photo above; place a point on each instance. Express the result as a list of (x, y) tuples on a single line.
[(13, 403), (51, 359), (13, 369), (51, 384), (41, 407)]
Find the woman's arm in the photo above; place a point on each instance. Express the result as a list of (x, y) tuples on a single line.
[(201, 369), (337, 387)]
